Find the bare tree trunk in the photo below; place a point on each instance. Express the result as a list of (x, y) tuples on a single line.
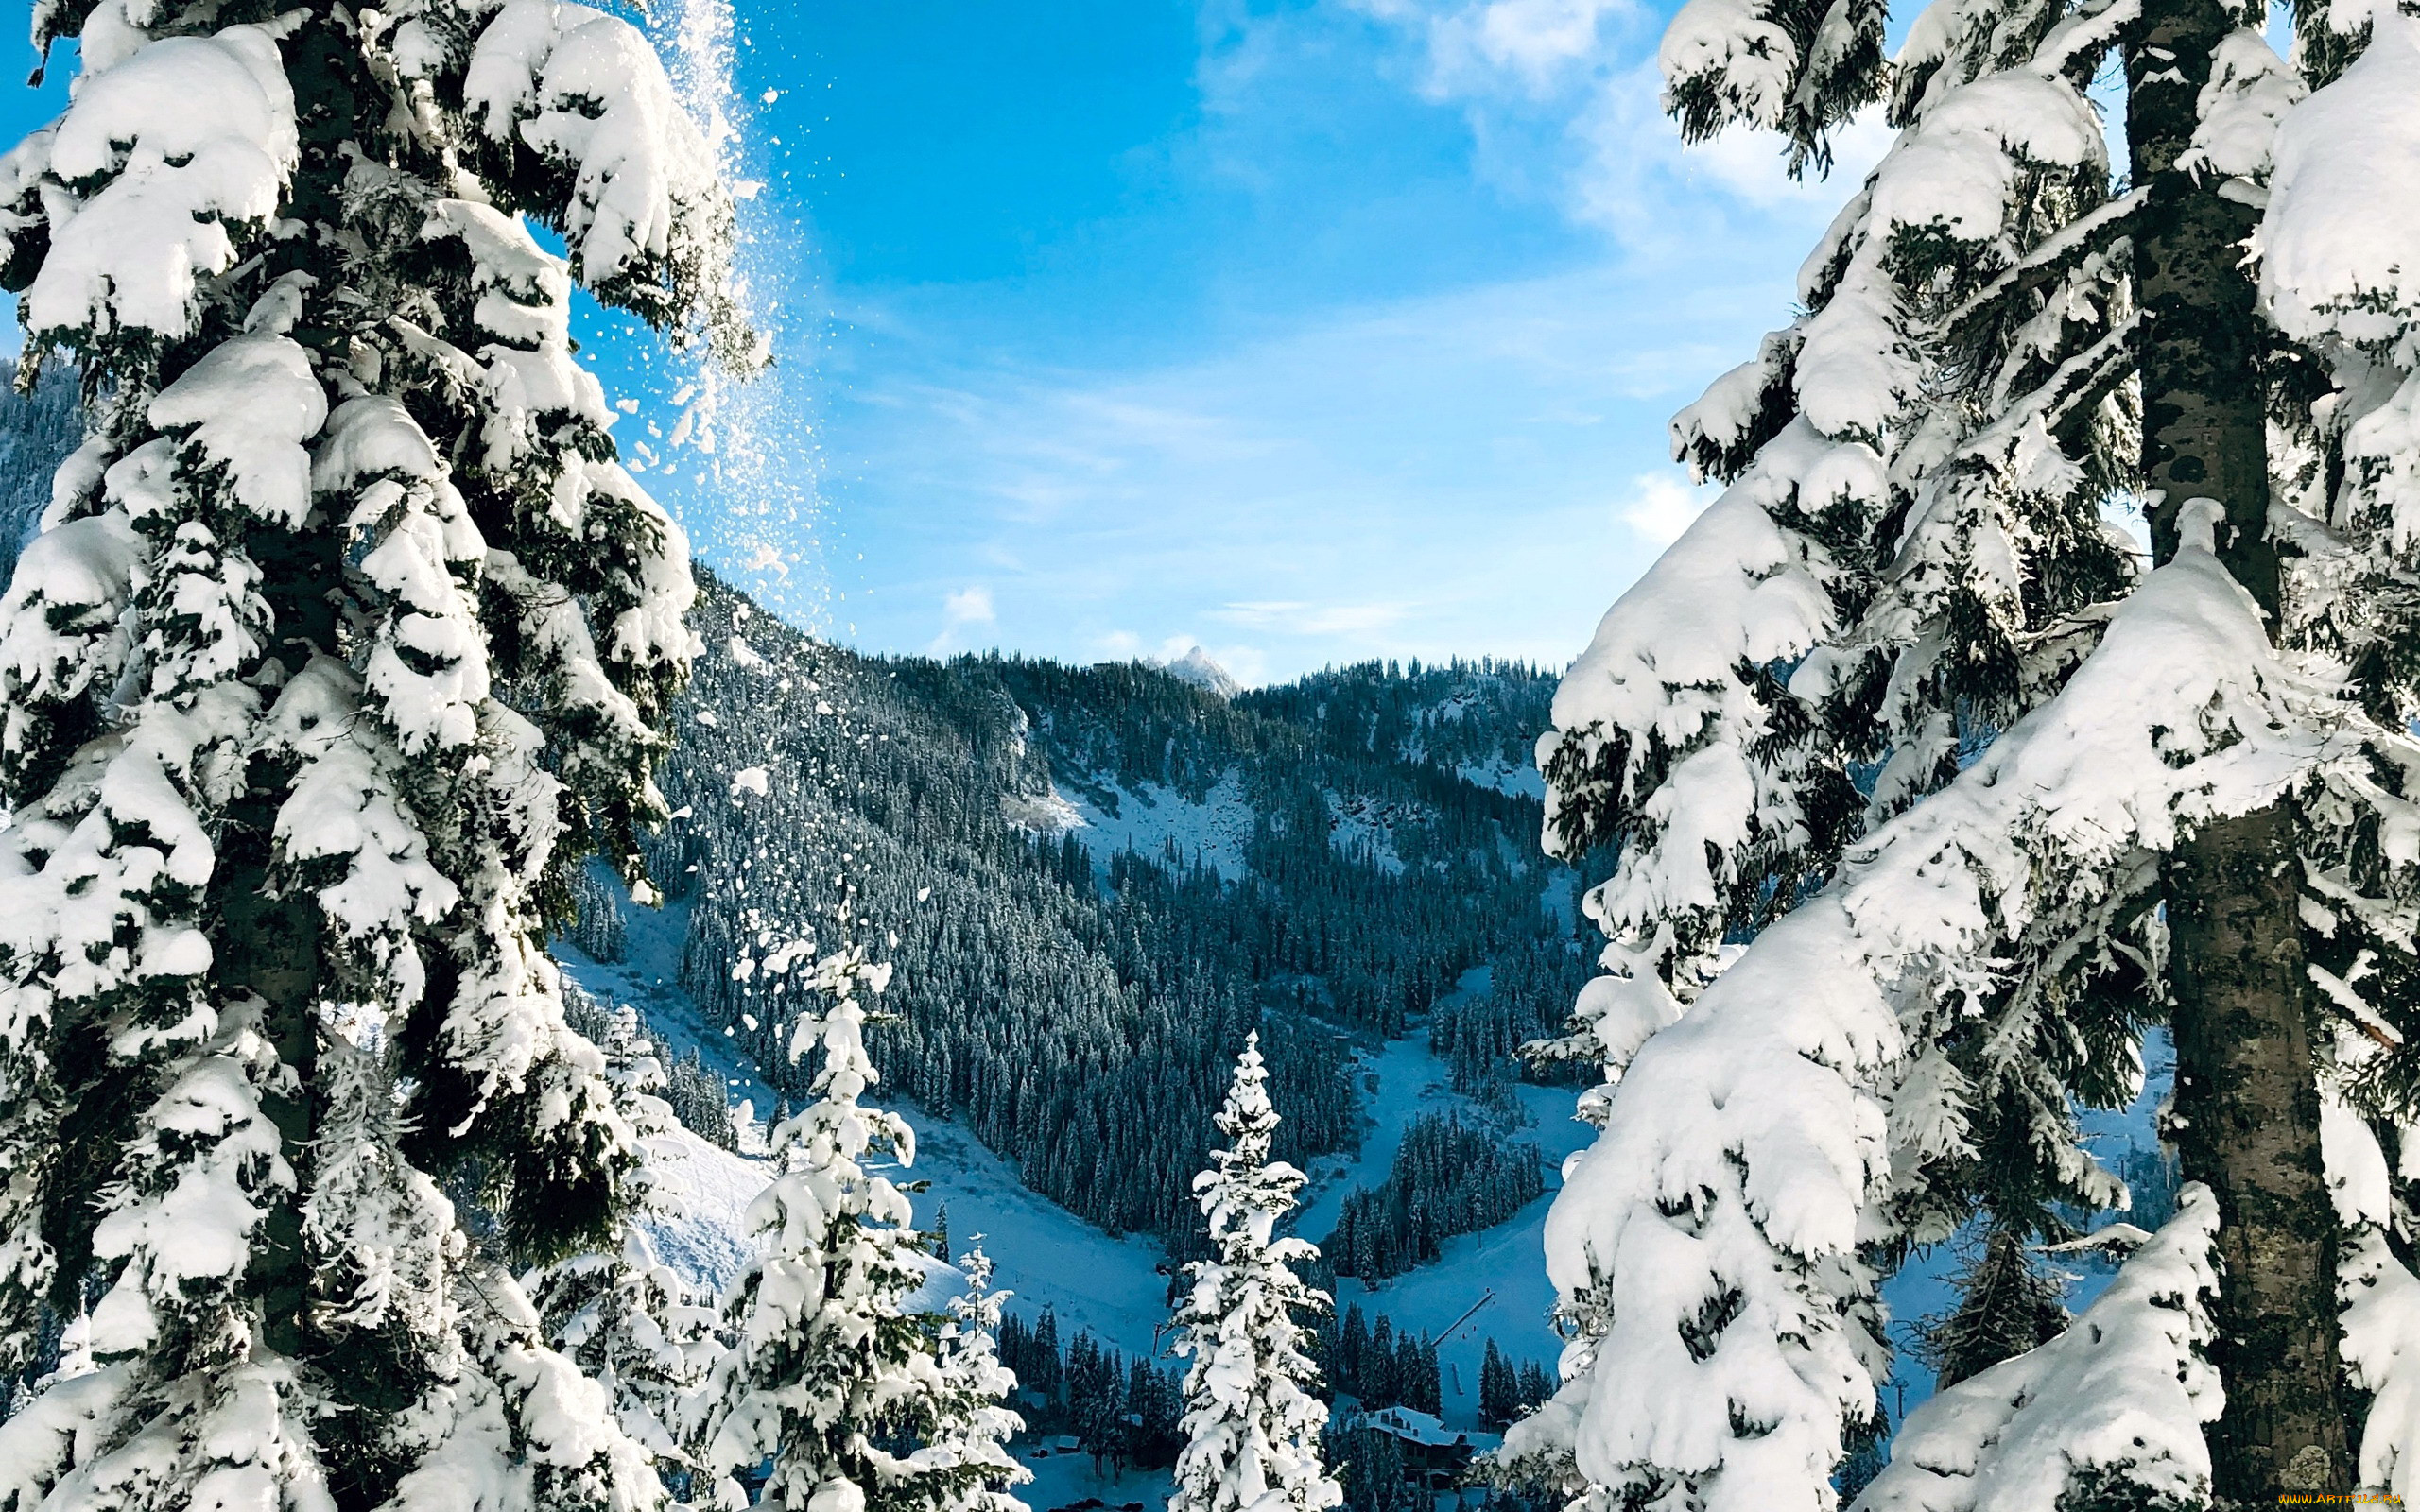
[(2246, 1095)]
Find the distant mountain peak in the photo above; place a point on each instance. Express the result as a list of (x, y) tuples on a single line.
[(1197, 668)]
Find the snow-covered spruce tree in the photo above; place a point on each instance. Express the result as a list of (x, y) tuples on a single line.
[(859, 1404), (344, 639), (629, 1321), (975, 1427), (1251, 1428), (1995, 796)]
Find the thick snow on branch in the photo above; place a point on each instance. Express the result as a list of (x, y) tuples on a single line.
[(157, 155), (1663, 675), (249, 405), (2250, 91), (62, 639), (585, 91), (2340, 246), (428, 669), (2381, 1297), (344, 833), (1956, 174), (1723, 1202), (2115, 1404)]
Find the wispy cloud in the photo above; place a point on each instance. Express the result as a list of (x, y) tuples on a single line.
[(1296, 618), (961, 612), (1567, 93)]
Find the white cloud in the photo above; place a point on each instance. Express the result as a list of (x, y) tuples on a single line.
[(1752, 165), (961, 612), (1467, 44), (1661, 506), (1568, 91), (1294, 617)]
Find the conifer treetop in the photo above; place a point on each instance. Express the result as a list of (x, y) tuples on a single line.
[(857, 1403), (1252, 1431)]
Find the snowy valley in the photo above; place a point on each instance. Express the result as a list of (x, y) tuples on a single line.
[(1114, 817), (1132, 832), (1917, 1014)]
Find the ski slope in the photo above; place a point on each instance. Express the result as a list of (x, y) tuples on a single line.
[(1502, 1271), (1046, 1256)]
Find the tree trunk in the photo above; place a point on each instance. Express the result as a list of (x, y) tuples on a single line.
[(2249, 1108), (2247, 1100)]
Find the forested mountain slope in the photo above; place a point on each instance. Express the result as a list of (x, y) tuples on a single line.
[(1093, 881), (37, 430)]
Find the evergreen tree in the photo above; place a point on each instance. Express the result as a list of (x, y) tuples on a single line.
[(1498, 1389), (828, 1377), (1989, 796), (1352, 1353), (2006, 1306), (1536, 1386), (1381, 1374), (1095, 1399), (1050, 1378), (973, 1429), (699, 1101), (1155, 1400), (1252, 1432), (1373, 1473), (344, 640), (630, 1322), (598, 926), (1447, 1178)]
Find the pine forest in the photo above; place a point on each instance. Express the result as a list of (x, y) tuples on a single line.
[(849, 759)]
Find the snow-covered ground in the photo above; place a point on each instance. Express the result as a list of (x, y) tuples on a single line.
[(699, 1200), (1524, 781), (647, 977), (1357, 823), (1217, 830), (1500, 1271), (1041, 1252), (1065, 1480)]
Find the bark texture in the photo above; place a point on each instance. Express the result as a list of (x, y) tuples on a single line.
[(2246, 1095)]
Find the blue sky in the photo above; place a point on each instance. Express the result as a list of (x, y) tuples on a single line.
[(1307, 331)]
